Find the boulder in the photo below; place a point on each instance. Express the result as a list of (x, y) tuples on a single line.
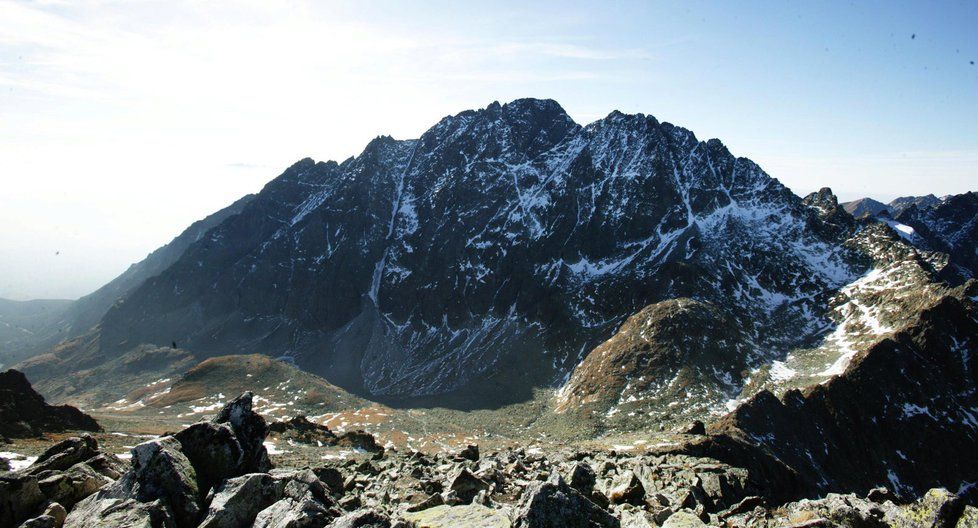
[(291, 513), (70, 486), (20, 497), (250, 430), (214, 451), (24, 413), (41, 521), (969, 518), (554, 504), (302, 430), (362, 519), (237, 501), (628, 489), (466, 485), (684, 519), (846, 510), (161, 478), (469, 516), (65, 454), (471, 452), (938, 508), (109, 512), (331, 477), (582, 478)]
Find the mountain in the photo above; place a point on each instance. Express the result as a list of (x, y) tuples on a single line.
[(950, 227), (25, 323), (871, 207), (491, 254), (901, 204), (903, 416), (864, 206), (31, 327)]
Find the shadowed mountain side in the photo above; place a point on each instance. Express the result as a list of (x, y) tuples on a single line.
[(903, 415)]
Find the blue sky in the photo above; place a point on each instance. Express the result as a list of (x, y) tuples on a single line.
[(122, 122)]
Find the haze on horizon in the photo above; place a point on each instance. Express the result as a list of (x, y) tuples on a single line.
[(124, 122)]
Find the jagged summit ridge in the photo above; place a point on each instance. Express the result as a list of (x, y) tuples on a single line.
[(422, 266)]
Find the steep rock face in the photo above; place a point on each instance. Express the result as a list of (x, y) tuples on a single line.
[(502, 244), (950, 227), (23, 412), (903, 415)]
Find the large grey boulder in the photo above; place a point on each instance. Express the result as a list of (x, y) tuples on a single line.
[(160, 472), (237, 501), (108, 512), (554, 504), (20, 497), (306, 512), (363, 519), (214, 451), (72, 485)]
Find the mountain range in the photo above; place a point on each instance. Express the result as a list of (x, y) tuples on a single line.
[(509, 249)]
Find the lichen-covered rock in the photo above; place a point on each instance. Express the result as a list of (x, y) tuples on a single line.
[(20, 497), (554, 504), (938, 508), (469, 515), (969, 518), (237, 501)]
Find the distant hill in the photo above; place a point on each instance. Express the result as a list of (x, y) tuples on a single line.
[(23, 324)]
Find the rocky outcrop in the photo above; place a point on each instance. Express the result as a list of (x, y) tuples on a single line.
[(901, 416), (300, 429), (627, 372), (554, 504), (949, 226), (66, 473), (171, 476), (24, 413)]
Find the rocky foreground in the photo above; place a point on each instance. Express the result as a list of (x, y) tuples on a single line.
[(218, 473)]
